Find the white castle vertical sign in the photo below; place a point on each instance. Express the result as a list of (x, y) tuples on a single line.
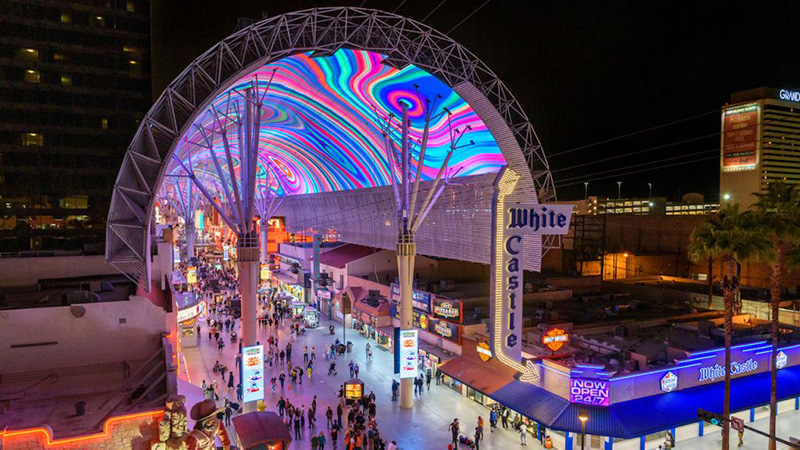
[(522, 219)]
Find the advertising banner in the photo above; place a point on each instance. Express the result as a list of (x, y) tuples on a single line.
[(421, 300), (740, 137), (409, 353), (191, 275), (452, 310), (191, 312), (253, 373)]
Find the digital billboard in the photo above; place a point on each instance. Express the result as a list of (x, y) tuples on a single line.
[(253, 373), (740, 137), (409, 353)]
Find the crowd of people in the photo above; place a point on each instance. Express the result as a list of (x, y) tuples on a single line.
[(351, 425)]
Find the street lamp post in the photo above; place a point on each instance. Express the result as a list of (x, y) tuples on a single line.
[(586, 190), (583, 416), (650, 185), (619, 189)]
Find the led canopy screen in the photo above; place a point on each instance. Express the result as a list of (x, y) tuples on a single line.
[(320, 130)]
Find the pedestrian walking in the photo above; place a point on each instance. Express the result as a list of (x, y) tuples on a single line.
[(230, 380), (523, 435), (355, 369), (454, 430), (478, 437), (329, 417), (321, 440)]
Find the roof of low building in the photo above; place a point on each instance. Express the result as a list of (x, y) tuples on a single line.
[(339, 257)]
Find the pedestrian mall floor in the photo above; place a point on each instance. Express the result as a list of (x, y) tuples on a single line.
[(423, 427)]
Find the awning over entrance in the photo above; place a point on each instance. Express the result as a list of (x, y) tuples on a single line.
[(486, 377), (645, 415)]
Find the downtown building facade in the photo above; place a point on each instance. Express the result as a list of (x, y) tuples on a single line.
[(74, 83), (760, 142)]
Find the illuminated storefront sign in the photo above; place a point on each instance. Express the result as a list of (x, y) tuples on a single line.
[(253, 373), (555, 338), (442, 329), (409, 353), (447, 309), (740, 137), (711, 373), (589, 392), (781, 360), (484, 353), (199, 221), (265, 273), (792, 96), (191, 275), (669, 382), (190, 313)]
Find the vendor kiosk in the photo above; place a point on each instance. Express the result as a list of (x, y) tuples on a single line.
[(353, 391), (297, 309), (187, 323), (260, 431), (311, 317)]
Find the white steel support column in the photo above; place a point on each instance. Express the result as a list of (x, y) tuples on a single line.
[(190, 239), (406, 251), (248, 265), (410, 211), (263, 232)]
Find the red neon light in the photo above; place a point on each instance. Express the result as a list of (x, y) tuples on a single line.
[(104, 434)]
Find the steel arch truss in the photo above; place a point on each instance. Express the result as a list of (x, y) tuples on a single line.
[(322, 31)]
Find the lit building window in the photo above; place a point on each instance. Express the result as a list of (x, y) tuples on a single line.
[(59, 57), (66, 17), (130, 6), (32, 140), (131, 49), (28, 54), (32, 76), (135, 67), (97, 21), (66, 80), (104, 123)]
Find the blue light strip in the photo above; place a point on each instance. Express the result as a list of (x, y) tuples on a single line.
[(755, 349), (696, 359), (716, 350), (676, 368), (554, 370)]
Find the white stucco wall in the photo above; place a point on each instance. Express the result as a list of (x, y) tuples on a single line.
[(26, 271), (96, 338)]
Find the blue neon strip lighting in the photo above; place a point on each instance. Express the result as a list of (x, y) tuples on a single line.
[(653, 372), (716, 350)]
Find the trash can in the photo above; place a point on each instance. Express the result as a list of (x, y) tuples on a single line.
[(349, 347)]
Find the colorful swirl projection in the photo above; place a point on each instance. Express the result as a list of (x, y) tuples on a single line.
[(319, 131)]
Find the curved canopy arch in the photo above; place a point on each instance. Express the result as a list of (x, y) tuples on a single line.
[(338, 65)]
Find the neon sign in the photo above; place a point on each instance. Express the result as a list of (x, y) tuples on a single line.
[(589, 392), (711, 373), (669, 382), (446, 309), (555, 338), (443, 329), (792, 96)]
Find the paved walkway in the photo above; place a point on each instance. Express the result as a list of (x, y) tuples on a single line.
[(423, 427)]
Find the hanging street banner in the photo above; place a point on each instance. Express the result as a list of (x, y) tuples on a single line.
[(511, 223)]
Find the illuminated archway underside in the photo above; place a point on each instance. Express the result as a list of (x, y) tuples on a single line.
[(321, 126), (319, 144)]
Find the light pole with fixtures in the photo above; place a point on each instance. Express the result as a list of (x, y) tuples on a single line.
[(586, 190), (619, 189), (583, 416)]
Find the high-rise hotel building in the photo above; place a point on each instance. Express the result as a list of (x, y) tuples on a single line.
[(760, 142), (74, 84)]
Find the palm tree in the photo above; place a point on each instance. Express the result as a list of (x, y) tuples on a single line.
[(735, 238), (779, 216)]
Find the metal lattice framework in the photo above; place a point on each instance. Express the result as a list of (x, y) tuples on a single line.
[(322, 31)]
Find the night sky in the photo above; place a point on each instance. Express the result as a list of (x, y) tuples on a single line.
[(584, 71)]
